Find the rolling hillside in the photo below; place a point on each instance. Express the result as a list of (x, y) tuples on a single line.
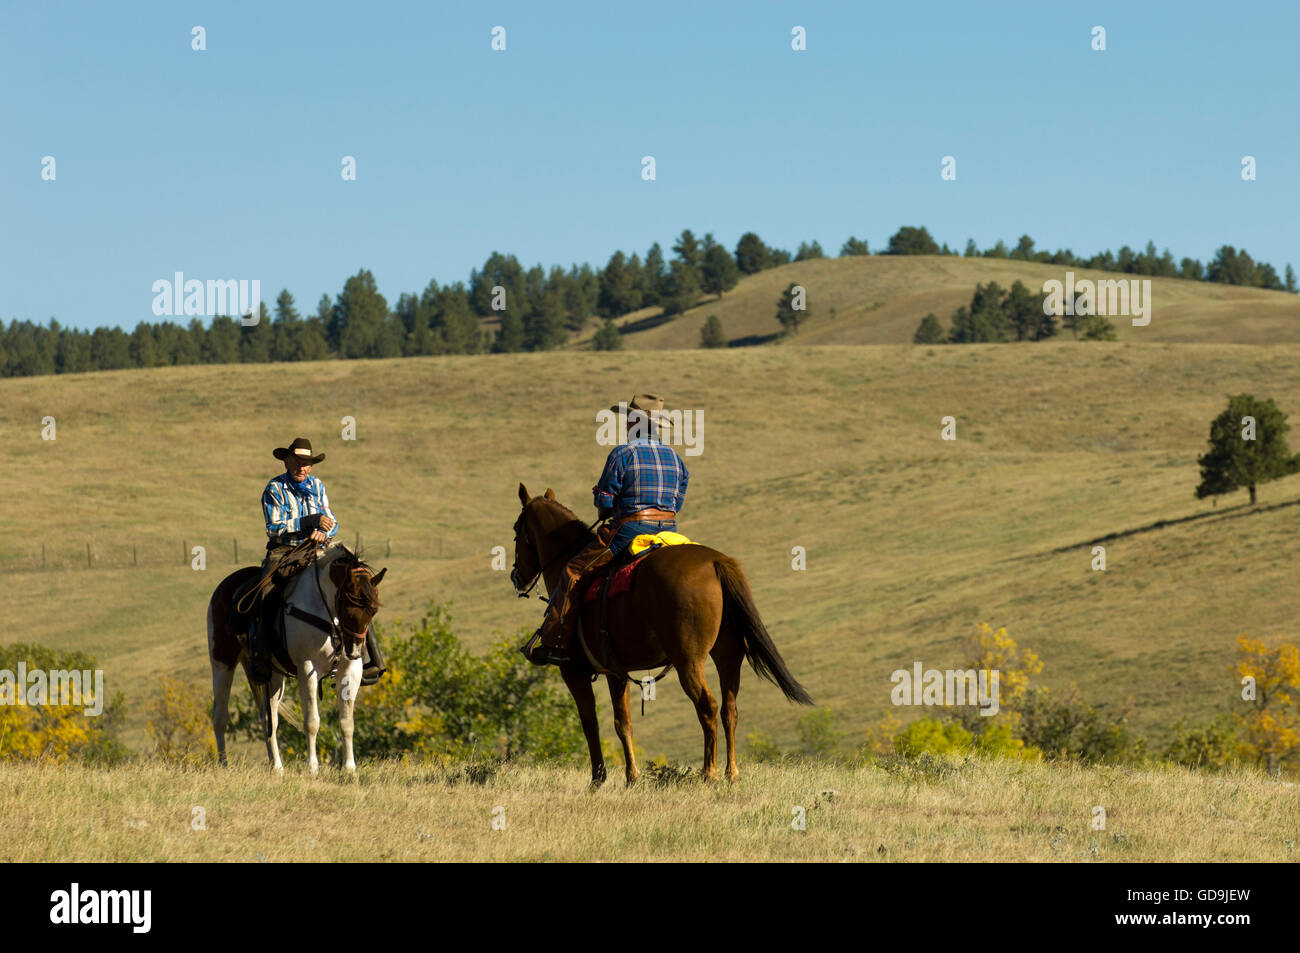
[(911, 540), (880, 299)]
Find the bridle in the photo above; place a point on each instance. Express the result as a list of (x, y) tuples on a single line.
[(521, 531), (341, 595)]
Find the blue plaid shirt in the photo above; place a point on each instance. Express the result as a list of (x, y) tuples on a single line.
[(641, 475), (286, 505)]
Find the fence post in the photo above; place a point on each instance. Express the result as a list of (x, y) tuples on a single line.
[(135, 559), (42, 554), (357, 547), (87, 554), (236, 551), (185, 551), (388, 547)]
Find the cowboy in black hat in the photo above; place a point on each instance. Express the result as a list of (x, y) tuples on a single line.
[(296, 508)]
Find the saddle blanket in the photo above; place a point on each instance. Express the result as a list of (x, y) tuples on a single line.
[(621, 581)]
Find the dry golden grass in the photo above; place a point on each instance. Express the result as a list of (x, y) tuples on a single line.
[(976, 811)]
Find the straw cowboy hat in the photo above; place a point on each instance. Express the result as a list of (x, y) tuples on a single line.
[(299, 451), (650, 406)]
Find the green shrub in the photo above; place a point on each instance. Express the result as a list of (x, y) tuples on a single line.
[(932, 736), (1213, 744), (440, 701)]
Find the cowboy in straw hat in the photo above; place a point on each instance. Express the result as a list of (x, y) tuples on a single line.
[(296, 508), (642, 489)]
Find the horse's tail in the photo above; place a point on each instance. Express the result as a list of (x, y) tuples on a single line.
[(739, 613)]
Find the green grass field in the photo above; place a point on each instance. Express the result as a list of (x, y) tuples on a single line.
[(911, 541), (972, 811)]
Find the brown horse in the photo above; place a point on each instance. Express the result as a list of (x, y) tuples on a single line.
[(689, 602)]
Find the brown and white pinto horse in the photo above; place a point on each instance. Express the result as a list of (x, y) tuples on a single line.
[(688, 603), (337, 587)]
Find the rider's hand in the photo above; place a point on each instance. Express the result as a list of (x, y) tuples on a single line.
[(326, 523), (318, 536)]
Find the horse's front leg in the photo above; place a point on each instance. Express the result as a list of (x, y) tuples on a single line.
[(618, 694), (273, 691), (579, 682), (349, 684), (307, 679)]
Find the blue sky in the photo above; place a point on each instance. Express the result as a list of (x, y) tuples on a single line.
[(226, 163)]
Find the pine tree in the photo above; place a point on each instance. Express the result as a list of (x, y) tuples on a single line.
[(510, 333), (718, 271), (360, 324), (688, 252), (619, 293), (1024, 312), (853, 246), (786, 312), (711, 333), (1241, 456), (655, 272), (910, 240), (752, 256), (608, 338), (929, 331), (681, 289)]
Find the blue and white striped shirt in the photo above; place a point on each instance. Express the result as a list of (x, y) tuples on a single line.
[(286, 505)]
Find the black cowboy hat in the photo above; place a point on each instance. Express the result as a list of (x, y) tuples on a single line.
[(299, 451)]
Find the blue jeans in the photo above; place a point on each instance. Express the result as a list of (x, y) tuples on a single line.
[(630, 531)]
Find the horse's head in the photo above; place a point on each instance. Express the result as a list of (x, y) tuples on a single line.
[(528, 558), (545, 531), (356, 598)]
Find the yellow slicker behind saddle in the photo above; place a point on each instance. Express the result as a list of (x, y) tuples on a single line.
[(666, 538)]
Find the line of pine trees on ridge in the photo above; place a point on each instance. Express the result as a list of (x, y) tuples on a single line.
[(543, 308)]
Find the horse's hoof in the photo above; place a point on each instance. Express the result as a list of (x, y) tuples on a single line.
[(278, 770), (632, 779)]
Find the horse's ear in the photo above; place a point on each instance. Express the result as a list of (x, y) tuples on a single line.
[(550, 494), (378, 577), (523, 494)]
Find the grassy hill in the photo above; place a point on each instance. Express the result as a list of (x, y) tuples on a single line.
[(880, 299), (911, 540)]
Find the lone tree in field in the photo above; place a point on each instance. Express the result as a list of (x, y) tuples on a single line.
[(1247, 447), (711, 333), (792, 310)]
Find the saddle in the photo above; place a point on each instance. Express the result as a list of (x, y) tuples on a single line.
[(616, 577), (613, 580)]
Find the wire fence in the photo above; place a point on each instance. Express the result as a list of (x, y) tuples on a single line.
[(88, 554)]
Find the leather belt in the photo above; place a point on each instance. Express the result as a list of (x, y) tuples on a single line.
[(648, 515)]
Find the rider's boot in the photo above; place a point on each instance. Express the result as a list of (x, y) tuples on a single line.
[(259, 644)]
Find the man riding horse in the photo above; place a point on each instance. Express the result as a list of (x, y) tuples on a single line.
[(296, 508), (642, 489)]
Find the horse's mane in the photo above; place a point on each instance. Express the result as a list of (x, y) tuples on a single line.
[(573, 525), (336, 552)]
